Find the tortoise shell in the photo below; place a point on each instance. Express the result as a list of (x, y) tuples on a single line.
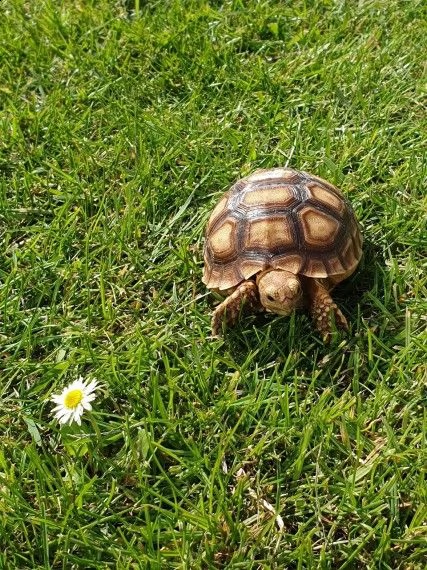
[(281, 219)]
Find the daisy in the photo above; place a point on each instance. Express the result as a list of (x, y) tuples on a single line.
[(74, 400)]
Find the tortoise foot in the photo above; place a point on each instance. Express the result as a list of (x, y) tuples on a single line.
[(228, 312), (327, 319), (325, 312)]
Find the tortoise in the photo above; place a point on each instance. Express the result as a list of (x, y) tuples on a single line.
[(277, 240)]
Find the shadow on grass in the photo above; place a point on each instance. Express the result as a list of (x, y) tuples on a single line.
[(350, 295)]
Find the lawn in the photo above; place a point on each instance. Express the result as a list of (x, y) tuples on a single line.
[(120, 127)]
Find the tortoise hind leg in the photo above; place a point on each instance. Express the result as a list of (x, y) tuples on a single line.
[(323, 309), (246, 295)]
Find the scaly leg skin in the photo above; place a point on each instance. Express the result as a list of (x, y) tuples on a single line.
[(324, 311), (246, 295)]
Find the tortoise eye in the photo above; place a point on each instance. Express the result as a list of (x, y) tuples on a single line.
[(270, 298)]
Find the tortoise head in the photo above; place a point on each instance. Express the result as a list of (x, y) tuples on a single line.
[(279, 291)]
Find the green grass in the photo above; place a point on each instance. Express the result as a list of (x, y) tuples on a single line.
[(119, 130)]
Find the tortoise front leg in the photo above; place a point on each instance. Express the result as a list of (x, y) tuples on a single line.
[(246, 295), (323, 309)]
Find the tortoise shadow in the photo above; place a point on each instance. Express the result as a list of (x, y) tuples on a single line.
[(350, 293)]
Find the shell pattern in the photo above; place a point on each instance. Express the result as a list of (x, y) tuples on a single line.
[(283, 219)]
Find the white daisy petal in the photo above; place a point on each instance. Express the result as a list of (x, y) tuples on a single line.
[(62, 414), (91, 387), (64, 418), (57, 399)]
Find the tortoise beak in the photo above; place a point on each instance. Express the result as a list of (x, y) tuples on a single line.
[(281, 312)]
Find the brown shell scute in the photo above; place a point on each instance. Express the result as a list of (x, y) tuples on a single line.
[(283, 219)]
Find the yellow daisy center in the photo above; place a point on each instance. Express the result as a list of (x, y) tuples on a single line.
[(73, 398)]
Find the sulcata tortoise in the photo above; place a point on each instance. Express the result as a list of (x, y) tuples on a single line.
[(277, 240)]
